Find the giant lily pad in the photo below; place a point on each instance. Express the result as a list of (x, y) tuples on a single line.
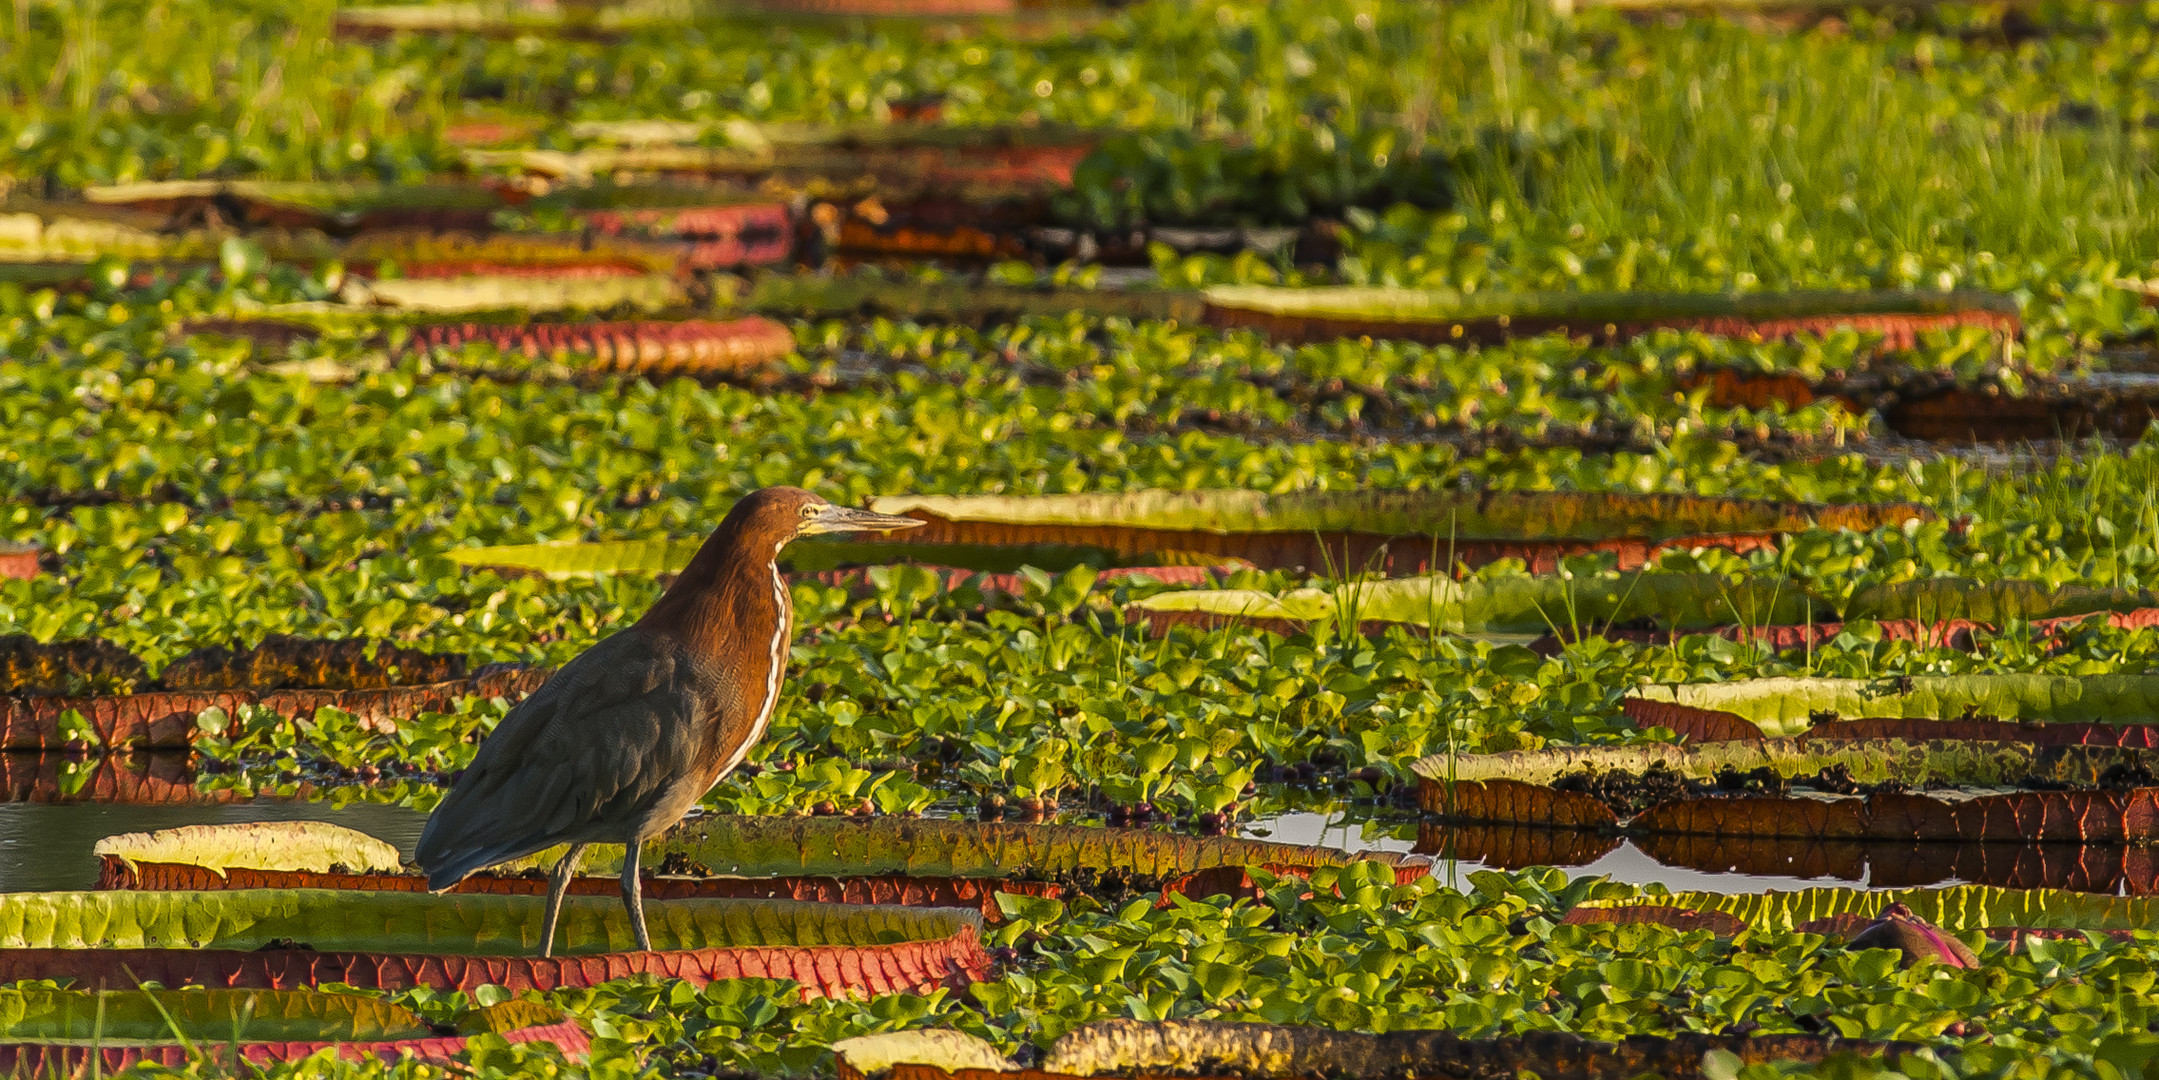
[(1993, 603), (1394, 531), (531, 293), (1790, 705), (293, 845), (689, 347), (1520, 607), (1210, 1048), (170, 719), (894, 161), (883, 861), (1859, 790), (346, 206), (969, 302), (1700, 725), (1959, 908), (1441, 316), (71, 1032), (436, 223), (653, 557), (280, 938)]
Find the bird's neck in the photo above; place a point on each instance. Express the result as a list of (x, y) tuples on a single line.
[(729, 599)]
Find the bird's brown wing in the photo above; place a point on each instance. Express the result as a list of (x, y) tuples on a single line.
[(584, 758)]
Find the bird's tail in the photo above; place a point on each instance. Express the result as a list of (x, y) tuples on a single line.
[(449, 868)]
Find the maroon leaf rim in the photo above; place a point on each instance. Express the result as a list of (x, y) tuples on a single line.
[(167, 719), (822, 970), (692, 346), (1693, 724), (1292, 550), (57, 1059), (1900, 332), (976, 893), (1843, 924)]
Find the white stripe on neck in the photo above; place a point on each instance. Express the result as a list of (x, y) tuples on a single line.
[(782, 604)]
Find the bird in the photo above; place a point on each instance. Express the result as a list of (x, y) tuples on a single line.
[(624, 739)]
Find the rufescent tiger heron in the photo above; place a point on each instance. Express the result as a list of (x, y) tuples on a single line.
[(622, 741)]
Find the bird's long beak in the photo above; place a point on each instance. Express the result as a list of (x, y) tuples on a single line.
[(847, 519)]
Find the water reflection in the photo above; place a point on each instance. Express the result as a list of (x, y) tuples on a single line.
[(1684, 861), (151, 777)]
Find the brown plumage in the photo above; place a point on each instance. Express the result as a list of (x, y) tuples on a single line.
[(622, 741)]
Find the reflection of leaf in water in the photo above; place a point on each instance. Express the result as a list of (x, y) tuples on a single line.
[(75, 729)]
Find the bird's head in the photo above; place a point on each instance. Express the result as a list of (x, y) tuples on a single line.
[(789, 513)]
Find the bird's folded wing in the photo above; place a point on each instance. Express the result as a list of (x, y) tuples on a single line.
[(591, 750)]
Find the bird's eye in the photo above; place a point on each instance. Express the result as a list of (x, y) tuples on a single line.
[(808, 509)]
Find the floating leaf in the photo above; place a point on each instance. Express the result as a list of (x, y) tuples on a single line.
[(1789, 705), (1506, 606), (1488, 515), (73, 1032), (908, 890), (822, 846), (1440, 315), (1958, 908), (1516, 788), (167, 720), (1991, 603), (1134, 1048), (849, 294), (654, 557), (649, 292), (1915, 764), (294, 845), (390, 940), (692, 347), (28, 1015)]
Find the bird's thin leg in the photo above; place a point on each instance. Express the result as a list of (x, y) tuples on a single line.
[(633, 895), (558, 882)]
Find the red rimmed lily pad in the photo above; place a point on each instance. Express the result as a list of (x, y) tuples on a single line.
[(278, 939), (19, 559), (1788, 790), (1715, 725), (719, 236), (734, 347), (2045, 409), (169, 719), (1144, 1050), (1395, 532), (75, 1033), (1507, 608), (835, 562), (881, 861), (1789, 706), (1444, 317), (985, 164), (1999, 913)]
